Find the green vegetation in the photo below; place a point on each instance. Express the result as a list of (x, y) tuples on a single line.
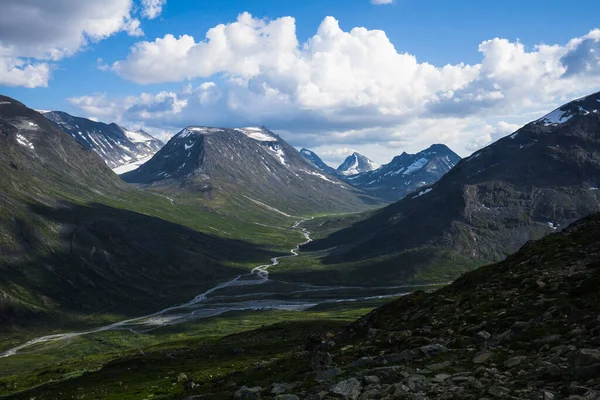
[(206, 351)]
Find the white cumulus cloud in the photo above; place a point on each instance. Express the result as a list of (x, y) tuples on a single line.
[(350, 88), (36, 33), (152, 8)]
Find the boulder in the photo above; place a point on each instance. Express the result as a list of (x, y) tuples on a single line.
[(348, 389)]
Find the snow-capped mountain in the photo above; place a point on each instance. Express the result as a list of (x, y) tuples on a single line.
[(116, 145), (407, 172), (355, 164), (245, 165), (314, 159), (539, 179)]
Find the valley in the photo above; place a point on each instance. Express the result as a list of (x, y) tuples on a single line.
[(161, 274)]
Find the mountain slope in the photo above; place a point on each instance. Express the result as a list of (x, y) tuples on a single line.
[(75, 239), (250, 165), (355, 164), (407, 172), (541, 178), (116, 145), (314, 159), (525, 328)]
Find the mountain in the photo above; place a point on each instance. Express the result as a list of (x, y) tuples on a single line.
[(116, 145), (406, 173), (76, 241), (355, 164), (249, 165), (522, 187), (314, 159)]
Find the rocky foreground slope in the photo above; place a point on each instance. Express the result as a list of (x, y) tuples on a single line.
[(525, 328)]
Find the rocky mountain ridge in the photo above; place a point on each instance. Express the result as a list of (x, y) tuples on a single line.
[(116, 145), (253, 164), (407, 173), (522, 187)]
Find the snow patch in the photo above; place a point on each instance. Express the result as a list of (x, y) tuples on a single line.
[(423, 192), (279, 153), (555, 117), (22, 140), (259, 134), (131, 167), (551, 225), (417, 165)]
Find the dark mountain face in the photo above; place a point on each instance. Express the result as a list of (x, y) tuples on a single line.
[(537, 180), (71, 241), (407, 172), (33, 149), (314, 159), (355, 164), (252, 164), (116, 145)]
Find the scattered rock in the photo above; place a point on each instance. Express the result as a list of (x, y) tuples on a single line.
[(280, 388), (371, 380), (246, 393), (363, 361), (585, 357), (514, 361), (548, 395), (321, 361), (498, 391), (182, 377), (482, 357), (287, 397), (348, 389), (328, 374), (483, 336), (400, 358)]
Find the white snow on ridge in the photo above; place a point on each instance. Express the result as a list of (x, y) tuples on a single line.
[(4, 102), (137, 137), (555, 117), (22, 140), (197, 129), (257, 134)]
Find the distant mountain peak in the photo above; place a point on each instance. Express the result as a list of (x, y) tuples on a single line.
[(355, 164), (315, 160), (118, 146), (407, 172)]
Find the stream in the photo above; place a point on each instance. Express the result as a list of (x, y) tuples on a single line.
[(238, 294)]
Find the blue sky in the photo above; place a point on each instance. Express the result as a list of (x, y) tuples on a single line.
[(480, 97)]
